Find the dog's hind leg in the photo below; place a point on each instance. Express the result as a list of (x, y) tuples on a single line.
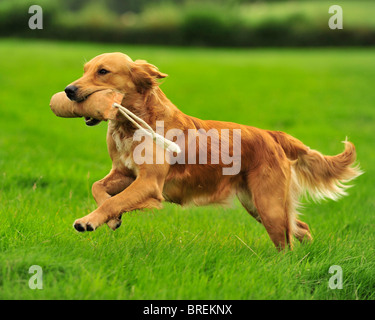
[(269, 186), (245, 198), (302, 231)]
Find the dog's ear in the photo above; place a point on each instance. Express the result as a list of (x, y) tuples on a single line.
[(145, 75)]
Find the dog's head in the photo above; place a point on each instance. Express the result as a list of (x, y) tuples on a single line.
[(115, 71)]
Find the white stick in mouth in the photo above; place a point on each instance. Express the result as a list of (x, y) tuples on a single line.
[(157, 138)]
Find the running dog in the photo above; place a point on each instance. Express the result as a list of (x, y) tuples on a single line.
[(275, 169)]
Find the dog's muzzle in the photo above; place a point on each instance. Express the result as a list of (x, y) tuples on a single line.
[(91, 121)]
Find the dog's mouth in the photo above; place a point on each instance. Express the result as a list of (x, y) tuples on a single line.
[(91, 121), (85, 95)]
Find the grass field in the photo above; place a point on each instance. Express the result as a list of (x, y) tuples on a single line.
[(48, 164)]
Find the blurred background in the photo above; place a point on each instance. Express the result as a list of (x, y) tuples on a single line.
[(244, 23), (270, 64)]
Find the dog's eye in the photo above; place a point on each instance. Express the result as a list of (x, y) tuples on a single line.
[(103, 71)]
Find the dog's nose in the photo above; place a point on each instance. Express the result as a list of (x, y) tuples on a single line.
[(71, 92)]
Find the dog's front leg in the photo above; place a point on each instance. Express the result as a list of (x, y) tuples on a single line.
[(112, 184), (144, 192)]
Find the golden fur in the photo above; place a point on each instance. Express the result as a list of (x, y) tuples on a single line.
[(276, 169)]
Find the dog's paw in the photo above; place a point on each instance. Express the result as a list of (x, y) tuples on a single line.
[(95, 219), (81, 226), (114, 223)]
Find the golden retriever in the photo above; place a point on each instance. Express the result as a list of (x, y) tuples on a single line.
[(272, 170)]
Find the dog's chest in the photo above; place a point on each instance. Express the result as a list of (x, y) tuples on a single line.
[(123, 146)]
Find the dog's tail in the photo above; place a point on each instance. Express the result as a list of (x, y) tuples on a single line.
[(318, 175)]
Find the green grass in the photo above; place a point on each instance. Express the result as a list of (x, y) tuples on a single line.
[(48, 164)]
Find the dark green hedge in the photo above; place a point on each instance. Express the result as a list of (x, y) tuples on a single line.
[(203, 24)]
